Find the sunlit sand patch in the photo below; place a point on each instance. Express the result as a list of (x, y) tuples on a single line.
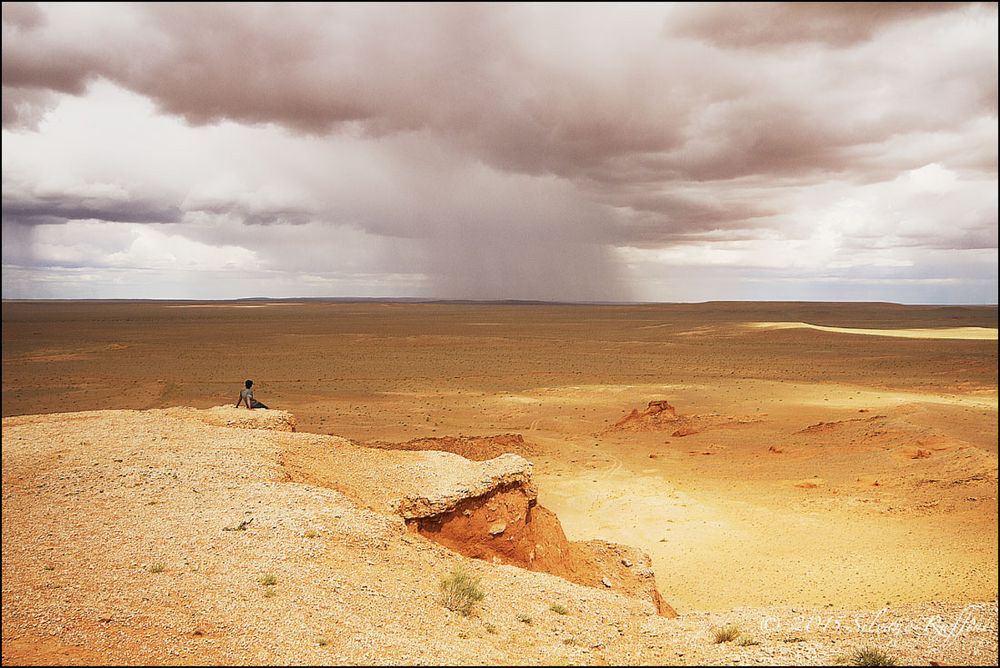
[(843, 396), (973, 333), (55, 357), (580, 390), (516, 399)]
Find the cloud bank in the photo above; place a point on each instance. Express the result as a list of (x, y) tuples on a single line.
[(582, 152)]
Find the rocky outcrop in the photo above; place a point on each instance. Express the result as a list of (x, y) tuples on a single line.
[(481, 479), (239, 418), (660, 415), (656, 413), (476, 448), (483, 509), (506, 526)]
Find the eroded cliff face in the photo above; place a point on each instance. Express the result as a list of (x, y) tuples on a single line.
[(507, 526), (486, 509)]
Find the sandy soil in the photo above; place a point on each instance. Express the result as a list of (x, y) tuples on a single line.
[(824, 470), (974, 333), (145, 537)]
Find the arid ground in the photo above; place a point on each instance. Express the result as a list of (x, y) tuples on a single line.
[(828, 456)]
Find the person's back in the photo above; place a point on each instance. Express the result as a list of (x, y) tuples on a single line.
[(246, 397)]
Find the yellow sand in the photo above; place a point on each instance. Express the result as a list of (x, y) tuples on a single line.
[(976, 333)]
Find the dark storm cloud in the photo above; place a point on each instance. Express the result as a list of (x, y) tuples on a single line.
[(256, 215), (474, 77), (499, 136), (662, 219), (764, 24), (22, 15), (54, 209)]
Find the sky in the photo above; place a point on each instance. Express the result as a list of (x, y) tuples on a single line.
[(676, 152)]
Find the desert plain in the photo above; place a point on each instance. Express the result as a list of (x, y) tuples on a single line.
[(774, 461)]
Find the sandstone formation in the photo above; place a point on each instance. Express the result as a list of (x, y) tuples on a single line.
[(487, 510), (660, 415), (476, 448)]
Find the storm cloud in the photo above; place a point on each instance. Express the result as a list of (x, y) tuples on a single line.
[(505, 150)]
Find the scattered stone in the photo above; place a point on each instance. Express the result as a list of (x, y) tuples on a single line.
[(606, 582)]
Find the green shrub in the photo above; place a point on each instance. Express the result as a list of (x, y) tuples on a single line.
[(268, 579), (157, 568), (558, 609), (460, 591), (747, 641)]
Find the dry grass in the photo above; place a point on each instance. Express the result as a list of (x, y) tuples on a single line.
[(869, 655), (460, 591), (726, 633)]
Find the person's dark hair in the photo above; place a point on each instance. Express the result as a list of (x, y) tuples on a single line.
[(248, 384)]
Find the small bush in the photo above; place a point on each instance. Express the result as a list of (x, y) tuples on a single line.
[(157, 568), (872, 656), (491, 629), (310, 533), (322, 642), (727, 633), (270, 592), (524, 619), (242, 526), (558, 609), (268, 579), (747, 641), (460, 591)]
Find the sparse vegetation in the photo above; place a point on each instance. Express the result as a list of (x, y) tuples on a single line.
[(270, 592), (747, 641), (242, 526), (726, 633), (490, 628), (268, 579), (524, 619), (460, 591), (311, 533), (870, 655), (157, 568), (49, 567), (558, 609)]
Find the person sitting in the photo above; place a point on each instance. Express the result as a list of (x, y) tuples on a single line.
[(246, 396)]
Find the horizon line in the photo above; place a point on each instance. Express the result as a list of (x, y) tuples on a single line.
[(431, 300)]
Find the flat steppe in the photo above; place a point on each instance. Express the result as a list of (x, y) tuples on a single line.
[(837, 457)]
